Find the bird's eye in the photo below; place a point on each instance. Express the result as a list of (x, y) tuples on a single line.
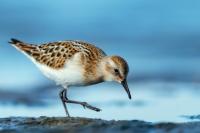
[(116, 71)]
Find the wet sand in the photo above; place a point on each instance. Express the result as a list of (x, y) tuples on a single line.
[(83, 125)]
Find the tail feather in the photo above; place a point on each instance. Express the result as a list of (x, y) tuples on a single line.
[(24, 47), (14, 41)]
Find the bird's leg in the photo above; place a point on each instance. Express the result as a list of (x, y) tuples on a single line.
[(84, 104), (63, 97)]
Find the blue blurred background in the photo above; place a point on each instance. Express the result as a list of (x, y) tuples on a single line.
[(159, 39)]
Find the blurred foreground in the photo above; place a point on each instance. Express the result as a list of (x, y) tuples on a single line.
[(85, 125)]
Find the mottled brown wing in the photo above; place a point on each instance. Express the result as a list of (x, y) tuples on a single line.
[(53, 54), (90, 49), (28, 49), (56, 54)]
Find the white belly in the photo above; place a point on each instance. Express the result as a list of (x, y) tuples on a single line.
[(71, 74)]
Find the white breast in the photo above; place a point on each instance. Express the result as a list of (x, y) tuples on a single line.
[(71, 74)]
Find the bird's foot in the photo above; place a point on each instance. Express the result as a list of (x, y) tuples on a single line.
[(86, 105)]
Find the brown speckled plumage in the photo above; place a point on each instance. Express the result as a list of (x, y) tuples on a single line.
[(75, 63), (56, 54)]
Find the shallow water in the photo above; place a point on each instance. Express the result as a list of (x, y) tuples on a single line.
[(152, 101)]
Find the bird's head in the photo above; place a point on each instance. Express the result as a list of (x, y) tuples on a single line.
[(115, 68)]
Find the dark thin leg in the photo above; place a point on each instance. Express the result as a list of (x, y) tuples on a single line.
[(84, 104), (63, 97)]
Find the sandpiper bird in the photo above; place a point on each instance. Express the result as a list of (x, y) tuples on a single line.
[(75, 63)]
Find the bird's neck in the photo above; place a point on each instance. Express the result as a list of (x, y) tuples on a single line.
[(102, 68)]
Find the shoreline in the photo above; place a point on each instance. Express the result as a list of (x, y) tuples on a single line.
[(76, 124)]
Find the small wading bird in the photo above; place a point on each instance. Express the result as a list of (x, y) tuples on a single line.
[(75, 63)]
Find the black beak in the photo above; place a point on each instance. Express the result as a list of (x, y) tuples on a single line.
[(125, 85)]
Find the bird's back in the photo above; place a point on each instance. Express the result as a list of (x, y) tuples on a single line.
[(63, 60)]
